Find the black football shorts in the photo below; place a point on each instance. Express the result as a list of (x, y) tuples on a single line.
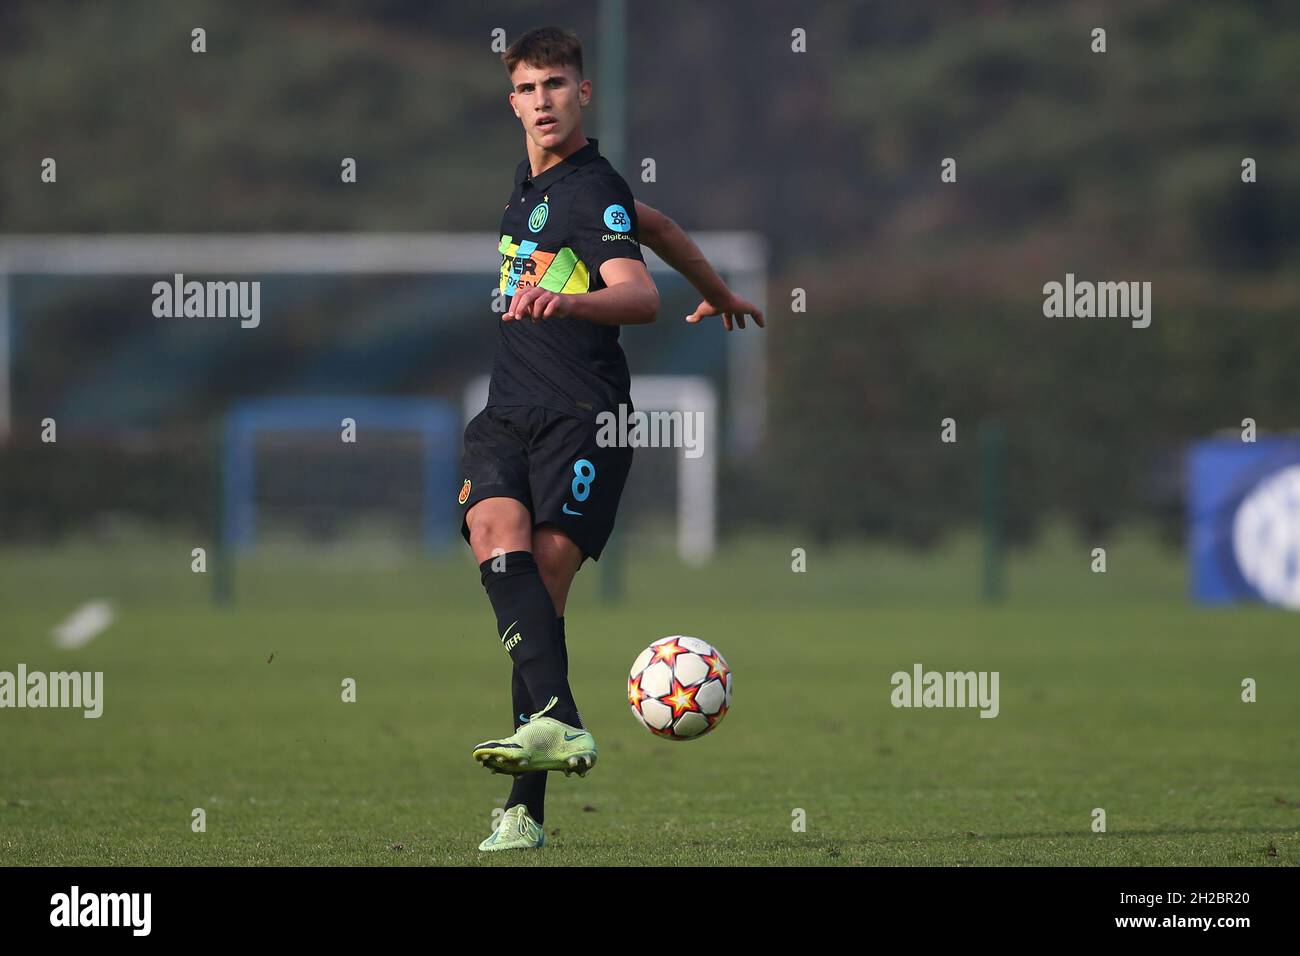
[(551, 463)]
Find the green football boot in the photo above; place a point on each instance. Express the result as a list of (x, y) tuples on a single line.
[(543, 743), (516, 831)]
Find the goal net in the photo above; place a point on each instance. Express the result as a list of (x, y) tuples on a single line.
[(325, 470), (401, 319)]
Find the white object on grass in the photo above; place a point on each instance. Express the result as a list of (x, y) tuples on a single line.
[(83, 625)]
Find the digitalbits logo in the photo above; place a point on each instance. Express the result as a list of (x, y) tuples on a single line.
[(1266, 537), (616, 218)]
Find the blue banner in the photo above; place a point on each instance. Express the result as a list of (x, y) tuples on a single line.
[(1244, 520)]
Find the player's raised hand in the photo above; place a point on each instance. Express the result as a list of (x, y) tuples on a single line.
[(536, 303), (733, 310)]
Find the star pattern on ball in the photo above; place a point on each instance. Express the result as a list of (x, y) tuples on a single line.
[(717, 666), (668, 651), (682, 699), (634, 692)]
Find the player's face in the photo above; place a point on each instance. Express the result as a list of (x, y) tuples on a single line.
[(549, 101)]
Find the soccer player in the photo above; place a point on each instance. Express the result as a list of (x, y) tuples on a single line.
[(540, 494)]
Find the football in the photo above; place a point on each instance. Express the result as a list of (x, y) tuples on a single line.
[(679, 687)]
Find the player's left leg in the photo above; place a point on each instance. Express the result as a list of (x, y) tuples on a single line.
[(558, 559)]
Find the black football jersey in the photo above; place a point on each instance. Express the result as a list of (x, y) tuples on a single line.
[(558, 229)]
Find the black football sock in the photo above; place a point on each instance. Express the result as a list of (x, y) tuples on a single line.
[(530, 631), (530, 788)]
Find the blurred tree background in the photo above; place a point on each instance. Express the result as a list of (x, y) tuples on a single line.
[(924, 298)]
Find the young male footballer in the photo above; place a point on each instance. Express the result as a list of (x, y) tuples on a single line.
[(540, 494)]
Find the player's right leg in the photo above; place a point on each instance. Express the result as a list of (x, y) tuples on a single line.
[(551, 738), (500, 534), (498, 525), (542, 742), (557, 562)]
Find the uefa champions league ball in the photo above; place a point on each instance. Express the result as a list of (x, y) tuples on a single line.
[(679, 687)]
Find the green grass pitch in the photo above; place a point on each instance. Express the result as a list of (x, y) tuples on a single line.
[(1115, 693)]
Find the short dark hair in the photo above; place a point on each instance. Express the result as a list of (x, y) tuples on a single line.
[(545, 46)]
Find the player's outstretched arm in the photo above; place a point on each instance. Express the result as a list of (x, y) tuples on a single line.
[(671, 244)]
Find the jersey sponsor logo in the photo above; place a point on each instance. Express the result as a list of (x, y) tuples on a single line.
[(524, 265), (519, 267), (568, 511), (538, 219), (617, 219), (611, 237), (464, 492)]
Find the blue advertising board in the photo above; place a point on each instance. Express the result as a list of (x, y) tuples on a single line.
[(1244, 520)]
